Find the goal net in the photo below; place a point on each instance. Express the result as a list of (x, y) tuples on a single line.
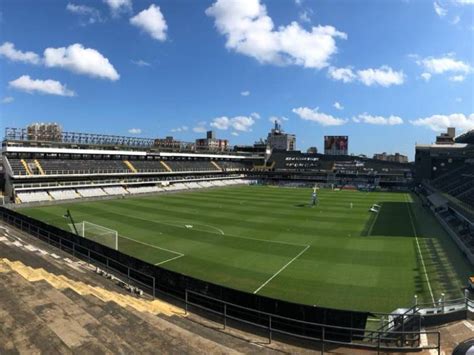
[(97, 233)]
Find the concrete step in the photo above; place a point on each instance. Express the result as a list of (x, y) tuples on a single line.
[(27, 333)]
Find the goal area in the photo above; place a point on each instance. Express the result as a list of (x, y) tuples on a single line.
[(97, 233)]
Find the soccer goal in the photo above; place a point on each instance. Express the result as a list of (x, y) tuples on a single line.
[(97, 233)]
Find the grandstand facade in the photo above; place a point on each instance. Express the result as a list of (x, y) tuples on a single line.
[(82, 165), (445, 178)]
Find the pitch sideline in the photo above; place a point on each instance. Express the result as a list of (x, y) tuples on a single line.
[(419, 250)]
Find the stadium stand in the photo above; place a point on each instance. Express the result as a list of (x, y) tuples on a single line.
[(445, 177), (458, 183), (339, 171), (94, 192), (89, 169), (148, 165), (64, 194), (79, 166), (34, 196), (117, 190), (191, 165)]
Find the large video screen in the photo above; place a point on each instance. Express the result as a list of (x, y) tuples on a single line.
[(336, 144)]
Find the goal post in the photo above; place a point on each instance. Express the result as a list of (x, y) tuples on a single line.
[(97, 233)]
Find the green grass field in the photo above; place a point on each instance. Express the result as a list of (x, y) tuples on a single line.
[(269, 241)]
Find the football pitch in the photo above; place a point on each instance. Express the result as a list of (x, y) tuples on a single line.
[(270, 241)]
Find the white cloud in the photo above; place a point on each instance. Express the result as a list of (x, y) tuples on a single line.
[(245, 93), (346, 75), (235, 134), (280, 120), (80, 60), (180, 129), (8, 100), (151, 21), (91, 13), (465, 2), (8, 50), (135, 131), (458, 99), (314, 115), (51, 87), (338, 106), (440, 11), (439, 123), (383, 76), (141, 63), (250, 31), (456, 20), (426, 76), (305, 16), (238, 123), (378, 120), (200, 128), (255, 115), (444, 64), (457, 78), (119, 6)]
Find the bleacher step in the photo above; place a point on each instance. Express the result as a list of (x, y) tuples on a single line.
[(34, 335), (61, 282)]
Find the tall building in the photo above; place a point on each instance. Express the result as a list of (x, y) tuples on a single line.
[(279, 140), (51, 132), (397, 157), (211, 143), (167, 143), (448, 137)]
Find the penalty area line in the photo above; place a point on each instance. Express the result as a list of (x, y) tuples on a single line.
[(153, 246), (283, 268), (170, 259)]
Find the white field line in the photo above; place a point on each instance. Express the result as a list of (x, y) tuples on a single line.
[(170, 259), (153, 246), (227, 235), (283, 268), (419, 251), (373, 222)]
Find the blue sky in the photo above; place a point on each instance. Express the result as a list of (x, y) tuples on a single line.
[(387, 73)]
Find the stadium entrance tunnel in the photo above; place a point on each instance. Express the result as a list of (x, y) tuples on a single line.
[(394, 219)]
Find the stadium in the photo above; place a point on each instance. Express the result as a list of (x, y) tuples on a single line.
[(237, 177), (332, 249)]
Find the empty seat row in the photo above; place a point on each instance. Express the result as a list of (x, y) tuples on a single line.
[(48, 166), (92, 192), (34, 196), (64, 194), (69, 194)]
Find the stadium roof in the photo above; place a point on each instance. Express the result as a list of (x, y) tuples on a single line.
[(467, 137), (443, 146), (16, 149)]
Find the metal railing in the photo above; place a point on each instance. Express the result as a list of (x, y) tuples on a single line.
[(50, 173), (388, 337), (84, 253), (322, 334)]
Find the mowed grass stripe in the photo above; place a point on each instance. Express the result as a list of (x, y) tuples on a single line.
[(325, 226), (341, 269)]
